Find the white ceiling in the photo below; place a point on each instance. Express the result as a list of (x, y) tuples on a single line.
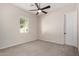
[(31, 6)]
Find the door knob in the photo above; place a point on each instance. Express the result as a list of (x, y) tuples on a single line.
[(64, 33)]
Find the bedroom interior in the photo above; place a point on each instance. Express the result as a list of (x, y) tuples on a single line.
[(39, 29)]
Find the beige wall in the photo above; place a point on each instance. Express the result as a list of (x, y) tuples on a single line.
[(52, 25), (78, 25), (9, 26)]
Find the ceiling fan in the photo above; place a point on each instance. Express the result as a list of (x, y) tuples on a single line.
[(39, 9)]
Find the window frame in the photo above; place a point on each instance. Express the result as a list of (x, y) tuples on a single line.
[(27, 19)]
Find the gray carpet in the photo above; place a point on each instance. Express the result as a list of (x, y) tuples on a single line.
[(39, 48)]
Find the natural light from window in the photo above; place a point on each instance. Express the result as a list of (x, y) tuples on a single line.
[(24, 24)]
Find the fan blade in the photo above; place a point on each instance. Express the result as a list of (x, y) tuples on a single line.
[(33, 10), (37, 13), (45, 7), (44, 12), (37, 5)]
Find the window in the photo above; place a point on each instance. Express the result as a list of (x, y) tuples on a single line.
[(24, 24)]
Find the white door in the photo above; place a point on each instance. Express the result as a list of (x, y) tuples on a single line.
[(71, 28)]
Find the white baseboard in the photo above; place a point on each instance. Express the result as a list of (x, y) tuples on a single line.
[(17, 43), (53, 42)]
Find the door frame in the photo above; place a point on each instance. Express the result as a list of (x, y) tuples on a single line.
[(65, 25)]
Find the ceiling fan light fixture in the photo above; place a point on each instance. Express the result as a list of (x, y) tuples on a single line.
[(39, 11)]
